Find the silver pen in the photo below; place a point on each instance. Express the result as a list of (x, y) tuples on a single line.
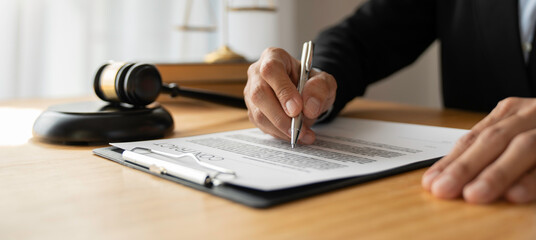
[(306, 65)]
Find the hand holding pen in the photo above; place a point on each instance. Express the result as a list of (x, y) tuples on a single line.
[(272, 97)]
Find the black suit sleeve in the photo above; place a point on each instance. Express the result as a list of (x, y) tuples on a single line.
[(381, 37)]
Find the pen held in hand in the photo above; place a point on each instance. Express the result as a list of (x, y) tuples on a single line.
[(306, 65)]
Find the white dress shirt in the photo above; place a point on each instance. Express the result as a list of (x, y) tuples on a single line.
[(527, 20)]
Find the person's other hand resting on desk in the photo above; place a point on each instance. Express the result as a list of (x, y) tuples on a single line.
[(496, 158)]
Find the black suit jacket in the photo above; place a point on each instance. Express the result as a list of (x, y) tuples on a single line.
[(481, 56)]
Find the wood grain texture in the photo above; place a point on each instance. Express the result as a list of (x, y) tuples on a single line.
[(65, 192)]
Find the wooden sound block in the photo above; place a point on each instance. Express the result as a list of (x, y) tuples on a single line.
[(96, 123)]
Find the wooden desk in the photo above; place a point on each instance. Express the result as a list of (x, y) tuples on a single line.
[(65, 192)]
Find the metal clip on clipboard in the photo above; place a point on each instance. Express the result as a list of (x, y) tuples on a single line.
[(176, 170)]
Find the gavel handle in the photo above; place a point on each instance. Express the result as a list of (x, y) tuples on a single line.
[(174, 90)]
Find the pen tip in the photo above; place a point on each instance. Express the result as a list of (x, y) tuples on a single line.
[(292, 145)]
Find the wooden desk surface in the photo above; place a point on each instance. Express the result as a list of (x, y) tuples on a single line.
[(65, 192)]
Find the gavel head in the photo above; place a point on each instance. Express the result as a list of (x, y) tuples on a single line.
[(137, 84)]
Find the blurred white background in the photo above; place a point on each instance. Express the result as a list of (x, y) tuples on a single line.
[(51, 48)]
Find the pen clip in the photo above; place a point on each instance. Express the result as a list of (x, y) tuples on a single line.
[(306, 64), (309, 59)]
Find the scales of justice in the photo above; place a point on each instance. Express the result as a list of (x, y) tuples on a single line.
[(224, 54)]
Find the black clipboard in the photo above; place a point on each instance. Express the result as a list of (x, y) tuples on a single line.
[(264, 199)]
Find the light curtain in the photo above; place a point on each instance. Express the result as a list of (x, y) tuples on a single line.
[(51, 48)]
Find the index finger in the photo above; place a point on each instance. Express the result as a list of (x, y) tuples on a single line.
[(280, 71)]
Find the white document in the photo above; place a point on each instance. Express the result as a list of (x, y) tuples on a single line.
[(344, 148)]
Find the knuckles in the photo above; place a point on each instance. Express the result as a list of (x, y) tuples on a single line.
[(252, 69), (467, 139), (526, 142), (505, 106), (529, 110), (269, 66), (271, 51), (257, 92), (271, 60), (495, 134), (256, 116), (509, 102)]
